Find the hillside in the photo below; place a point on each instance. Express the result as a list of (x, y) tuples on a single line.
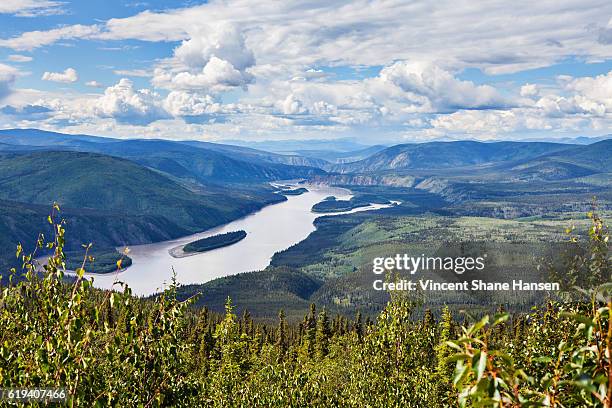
[(597, 156), (111, 201), (202, 165), (440, 155), (342, 157), (258, 156), (198, 161)]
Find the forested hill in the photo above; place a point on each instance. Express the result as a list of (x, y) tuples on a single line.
[(111, 201), (435, 155), (197, 161)]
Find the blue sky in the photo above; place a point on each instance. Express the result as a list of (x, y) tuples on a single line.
[(378, 70)]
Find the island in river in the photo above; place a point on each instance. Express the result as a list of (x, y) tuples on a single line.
[(296, 191), (209, 243), (332, 205)]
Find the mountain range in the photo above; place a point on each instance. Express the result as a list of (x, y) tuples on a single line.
[(129, 191)]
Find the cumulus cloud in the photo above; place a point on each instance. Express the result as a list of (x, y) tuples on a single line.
[(68, 76), (577, 104), (292, 105), (368, 66), (597, 90), (128, 105), (191, 105), (214, 59), (443, 91), (30, 8), (579, 96), (529, 90), (8, 75)]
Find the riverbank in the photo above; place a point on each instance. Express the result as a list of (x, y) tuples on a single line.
[(272, 229)]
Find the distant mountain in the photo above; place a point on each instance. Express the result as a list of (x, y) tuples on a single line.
[(199, 164), (37, 137), (294, 146), (341, 157), (444, 155), (259, 156), (597, 155), (576, 161), (580, 140), (198, 161)]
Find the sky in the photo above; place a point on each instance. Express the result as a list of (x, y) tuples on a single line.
[(379, 71)]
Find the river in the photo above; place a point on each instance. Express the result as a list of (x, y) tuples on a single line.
[(273, 228)]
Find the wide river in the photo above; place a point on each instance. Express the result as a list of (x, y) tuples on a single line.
[(269, 230)]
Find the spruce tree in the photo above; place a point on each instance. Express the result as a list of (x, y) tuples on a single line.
[(281, 334), (323, 334)]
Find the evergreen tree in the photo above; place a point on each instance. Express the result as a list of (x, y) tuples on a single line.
[(323, 334), (358, 327), (310, 331), (281, 334), (445, 394)]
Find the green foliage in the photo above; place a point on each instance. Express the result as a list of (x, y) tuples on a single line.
[(112, 349)]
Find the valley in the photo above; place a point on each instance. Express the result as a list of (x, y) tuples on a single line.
[(158, 195)]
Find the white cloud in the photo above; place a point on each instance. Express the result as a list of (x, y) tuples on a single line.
[(506, 37), (590, 96), (529, 90), (35, 39), (443, 92), (143, 73), (8, 75), (30, 8), (578, 105), (378, 32), (94, 84), (182, 104), (214, 59), (19, 58), (128, 105), (292, 106), (295, 68), (68, 76), (596, 90)]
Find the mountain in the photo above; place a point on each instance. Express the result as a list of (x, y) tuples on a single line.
[(596, 155), (294, 146), (574, 162), (341, 157), (441, 155), (258, 156), (580, 140), (112, 201), (198, 161), (37, 137), (195, 163)]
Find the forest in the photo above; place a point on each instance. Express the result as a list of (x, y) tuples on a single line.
[(111, 348), (216, 241)]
